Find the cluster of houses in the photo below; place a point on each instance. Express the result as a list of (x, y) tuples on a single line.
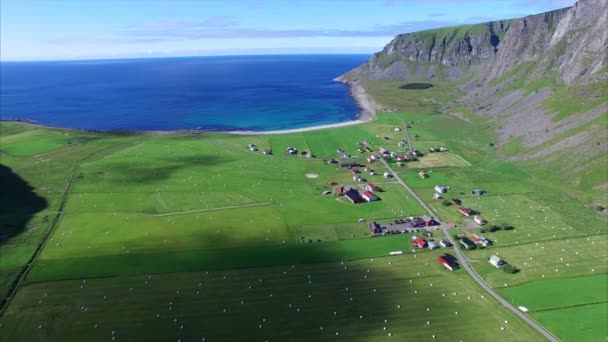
[(470, 212), (408, 225), (421, 243), (439, 190), (438, 149), (354, 196), (343, 153), (363, 146), (253, 148), (401, 158), (474, 241)]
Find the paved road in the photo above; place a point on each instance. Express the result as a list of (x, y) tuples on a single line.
[(463, 260)]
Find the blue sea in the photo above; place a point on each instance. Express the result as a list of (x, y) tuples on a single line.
[(256, 93)]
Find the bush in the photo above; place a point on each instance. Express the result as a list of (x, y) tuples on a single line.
[(508, 268)]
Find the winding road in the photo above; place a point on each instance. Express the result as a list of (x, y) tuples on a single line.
[(461, 257)]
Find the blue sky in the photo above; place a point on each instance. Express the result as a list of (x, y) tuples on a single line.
[(87, 29)]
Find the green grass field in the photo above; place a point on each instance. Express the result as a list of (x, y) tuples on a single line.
[(353, 300), (142, 219)]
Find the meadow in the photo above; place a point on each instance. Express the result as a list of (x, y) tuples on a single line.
[(172, 229), (409, 297)]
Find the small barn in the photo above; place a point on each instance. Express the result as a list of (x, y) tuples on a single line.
[(479, 220), (496, 261), (369, 196), (466, 211), (423, 175)]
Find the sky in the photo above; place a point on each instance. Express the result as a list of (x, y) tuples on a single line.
[(96, 29)]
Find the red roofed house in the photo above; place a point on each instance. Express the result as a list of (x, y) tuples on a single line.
[(368, 196), (371, 187), (418, 242), (466, 211), (447, 261)]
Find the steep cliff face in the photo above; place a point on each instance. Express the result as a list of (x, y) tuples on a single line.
[(570, 42), (448, 51)]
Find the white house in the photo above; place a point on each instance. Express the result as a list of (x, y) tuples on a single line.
[(387, 175), (496, 261), (479, 220), (441, 189), (431, 245)]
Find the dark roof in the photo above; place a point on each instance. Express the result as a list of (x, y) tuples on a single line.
[(353, 195), (467, 242)]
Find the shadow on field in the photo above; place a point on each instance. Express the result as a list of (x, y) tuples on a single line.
[(297, 292), (18, 203), (161, 169)]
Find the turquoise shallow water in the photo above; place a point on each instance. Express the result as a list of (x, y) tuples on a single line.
[(213, 93)]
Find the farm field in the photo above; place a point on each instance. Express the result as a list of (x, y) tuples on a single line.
[(142, 219), (360, 300)]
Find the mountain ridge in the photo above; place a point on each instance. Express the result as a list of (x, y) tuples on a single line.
[(538, 81)]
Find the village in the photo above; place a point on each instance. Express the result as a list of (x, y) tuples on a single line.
[(363, 190)]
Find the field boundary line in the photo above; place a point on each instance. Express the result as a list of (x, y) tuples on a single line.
[(212, 209), (570, 306)]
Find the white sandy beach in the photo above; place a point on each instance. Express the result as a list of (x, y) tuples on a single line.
[(367, 112)]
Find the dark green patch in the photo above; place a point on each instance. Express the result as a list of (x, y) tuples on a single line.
[(418, 86)]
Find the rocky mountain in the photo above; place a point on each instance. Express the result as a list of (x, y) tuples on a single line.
[(572, 41), (539, 81)]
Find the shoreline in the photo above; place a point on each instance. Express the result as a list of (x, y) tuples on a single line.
[(367, 111)]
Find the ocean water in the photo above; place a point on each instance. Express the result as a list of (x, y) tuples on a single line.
[(255, 93)]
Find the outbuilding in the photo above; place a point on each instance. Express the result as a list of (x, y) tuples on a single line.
[(496, 261), (479, 220), (441, 188), (369, 196), (466, 211)]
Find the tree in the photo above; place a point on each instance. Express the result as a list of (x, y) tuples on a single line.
[(446, 203), (508, 268)]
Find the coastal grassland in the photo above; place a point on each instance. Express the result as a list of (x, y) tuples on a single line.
[(547, 294), (536, 261), (577, 323), (350, 300), (415, 101), (587, 301), (36, 166)]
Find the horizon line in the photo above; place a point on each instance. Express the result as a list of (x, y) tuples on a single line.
[(184, 56)]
